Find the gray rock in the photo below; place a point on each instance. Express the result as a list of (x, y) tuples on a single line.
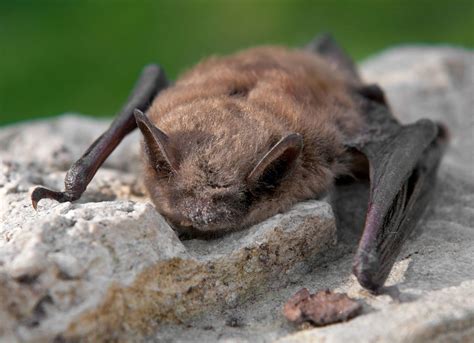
[(110, 267), (98, 269), (63, 140)]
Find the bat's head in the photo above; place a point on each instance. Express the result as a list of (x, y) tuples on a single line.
[(211, 181)]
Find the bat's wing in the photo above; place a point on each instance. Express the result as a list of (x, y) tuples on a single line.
[(403, 161), (150, 83)]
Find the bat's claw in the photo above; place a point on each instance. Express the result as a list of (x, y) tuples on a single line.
[(44, 193)]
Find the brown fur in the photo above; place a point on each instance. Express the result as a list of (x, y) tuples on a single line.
[(223, 115)]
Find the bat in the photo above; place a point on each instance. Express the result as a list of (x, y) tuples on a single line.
[(239, 138)]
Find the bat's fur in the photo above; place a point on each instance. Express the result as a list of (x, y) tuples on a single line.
[(223, 115)]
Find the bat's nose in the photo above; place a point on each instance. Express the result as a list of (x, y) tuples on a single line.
[(200, 211), (202, 216)]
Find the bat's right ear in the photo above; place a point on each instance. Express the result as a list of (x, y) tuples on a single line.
[(159, 151), (277, 162)]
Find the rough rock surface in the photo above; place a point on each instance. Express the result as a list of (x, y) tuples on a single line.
[(116, 267), (110, 267)]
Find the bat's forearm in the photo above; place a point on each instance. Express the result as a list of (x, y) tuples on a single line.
[(151, 81)]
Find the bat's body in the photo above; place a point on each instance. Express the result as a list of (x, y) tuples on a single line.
[(225, 114), (240, 138)]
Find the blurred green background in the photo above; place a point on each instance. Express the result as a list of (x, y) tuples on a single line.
[(84, 56)]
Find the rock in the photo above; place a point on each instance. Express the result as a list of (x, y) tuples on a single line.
[(62, 141), (97, 269), (109, 267)]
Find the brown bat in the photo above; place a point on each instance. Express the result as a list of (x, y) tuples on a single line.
[(240, 138)]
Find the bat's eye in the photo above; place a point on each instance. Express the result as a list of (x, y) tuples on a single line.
[(212, 176), (217, 185), (239, 92)]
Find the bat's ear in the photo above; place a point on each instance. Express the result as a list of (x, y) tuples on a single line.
[(277, 162), (159, 151)]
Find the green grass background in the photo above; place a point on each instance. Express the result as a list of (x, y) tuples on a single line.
[(84, 56)]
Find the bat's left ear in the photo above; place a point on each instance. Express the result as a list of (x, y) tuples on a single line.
[(277, 162), (162, 156)]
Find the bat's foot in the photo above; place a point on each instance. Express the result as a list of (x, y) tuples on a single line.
[(44, 193)]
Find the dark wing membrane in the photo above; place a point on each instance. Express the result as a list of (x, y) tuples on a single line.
[(403, 164), (403, 161)]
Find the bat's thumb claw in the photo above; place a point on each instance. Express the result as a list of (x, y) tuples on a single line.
[(44, 193), (37, 195), (34, 203)]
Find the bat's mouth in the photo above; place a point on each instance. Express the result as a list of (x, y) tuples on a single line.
[(186, 229)]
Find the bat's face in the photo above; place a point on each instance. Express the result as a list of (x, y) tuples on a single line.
[(195, 200), (209, 183)]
